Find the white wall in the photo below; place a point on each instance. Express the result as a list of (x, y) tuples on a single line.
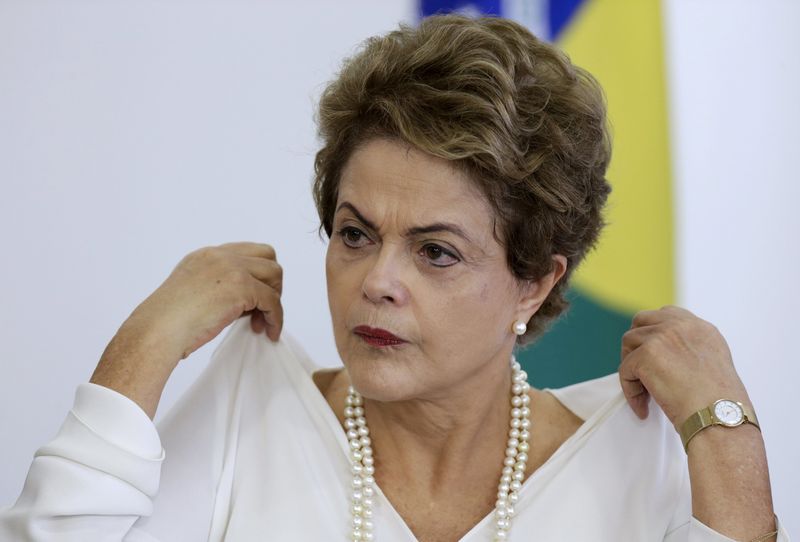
[(132, 133), (734, 84)]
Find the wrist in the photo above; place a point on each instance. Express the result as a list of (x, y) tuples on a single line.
[(723, 412)]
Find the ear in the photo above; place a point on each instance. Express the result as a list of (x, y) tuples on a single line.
[(534, 293)]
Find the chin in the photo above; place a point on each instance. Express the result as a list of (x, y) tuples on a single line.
[(380, 373)]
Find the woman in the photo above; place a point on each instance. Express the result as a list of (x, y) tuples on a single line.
[(461, 181)]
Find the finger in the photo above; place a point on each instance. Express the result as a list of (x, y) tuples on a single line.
[(256, 250), (635, 337), (268, 301), (257, 321), (267, 271), (636, 395), (667, 312)]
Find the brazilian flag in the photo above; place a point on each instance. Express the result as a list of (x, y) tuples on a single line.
[(621, 44)]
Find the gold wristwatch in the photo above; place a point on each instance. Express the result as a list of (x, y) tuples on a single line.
[(723, 412)]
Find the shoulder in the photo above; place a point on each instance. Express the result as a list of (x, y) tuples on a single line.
[(587, 397)]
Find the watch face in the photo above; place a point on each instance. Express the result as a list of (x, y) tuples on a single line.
[(728, 412)]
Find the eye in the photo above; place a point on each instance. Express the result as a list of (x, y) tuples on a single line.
[(353, 237), (439, 256)]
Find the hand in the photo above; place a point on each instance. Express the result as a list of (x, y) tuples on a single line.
[(681, 360), (210, 288)]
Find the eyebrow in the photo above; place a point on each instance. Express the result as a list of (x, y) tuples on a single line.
[(417, 230)]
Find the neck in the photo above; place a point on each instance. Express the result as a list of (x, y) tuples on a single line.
[(435, 439)]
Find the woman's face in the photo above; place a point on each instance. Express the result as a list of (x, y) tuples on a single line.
[(413, 252)]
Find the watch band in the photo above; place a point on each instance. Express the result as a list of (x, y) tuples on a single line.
[(705, 417)]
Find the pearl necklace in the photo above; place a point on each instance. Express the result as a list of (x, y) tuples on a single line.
[(513, 473)]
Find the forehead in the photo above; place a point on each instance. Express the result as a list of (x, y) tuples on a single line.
[(386, 176)]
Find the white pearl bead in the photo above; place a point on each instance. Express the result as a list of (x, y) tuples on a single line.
[(362, 421), (352, 434), (513, 443), (363, 431), (515, 485), (524, 423), (524, 435), (511, 452), (349, 423), (358, 411), (369, 491), (348, 412), (514, 433), (522, 457), (516, 401)]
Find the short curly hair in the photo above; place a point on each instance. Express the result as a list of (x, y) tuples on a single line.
[(527, 126)]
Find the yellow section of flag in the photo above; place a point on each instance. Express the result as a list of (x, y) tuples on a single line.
[(620, 42)]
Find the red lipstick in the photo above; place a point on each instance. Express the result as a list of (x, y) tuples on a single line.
[(377, 337)]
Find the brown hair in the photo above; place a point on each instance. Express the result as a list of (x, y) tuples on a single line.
[(527, 125)]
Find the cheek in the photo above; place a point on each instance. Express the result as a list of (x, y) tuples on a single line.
[(458, 320), (343, 286)]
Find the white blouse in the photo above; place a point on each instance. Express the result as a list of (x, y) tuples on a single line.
[(253, 452)]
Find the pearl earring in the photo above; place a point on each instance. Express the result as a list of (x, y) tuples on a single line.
[(519, 327)]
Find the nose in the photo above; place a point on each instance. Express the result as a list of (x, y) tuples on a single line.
[(383, 282)]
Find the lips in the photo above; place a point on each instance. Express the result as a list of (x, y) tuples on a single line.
[(377, 337)]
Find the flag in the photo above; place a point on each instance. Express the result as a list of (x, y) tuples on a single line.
[(632, 268)]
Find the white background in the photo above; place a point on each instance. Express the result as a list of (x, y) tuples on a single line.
[(133, 133)]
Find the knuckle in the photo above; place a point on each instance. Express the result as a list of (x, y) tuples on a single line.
[(269, 250)]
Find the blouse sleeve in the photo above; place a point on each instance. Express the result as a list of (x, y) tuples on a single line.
[(109, 474), (684, 527)]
